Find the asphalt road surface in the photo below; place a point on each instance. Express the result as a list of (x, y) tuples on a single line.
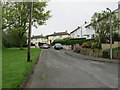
[(55, 69)]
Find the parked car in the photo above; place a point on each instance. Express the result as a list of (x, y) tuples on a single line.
[(45, 46), (58, 46)]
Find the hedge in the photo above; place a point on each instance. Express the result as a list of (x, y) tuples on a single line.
[(71, 41)]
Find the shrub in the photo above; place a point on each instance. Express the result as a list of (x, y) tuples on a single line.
[(85, 45), (69, 41), (78, 49), (116, 37), (95, 45), (89, 44)]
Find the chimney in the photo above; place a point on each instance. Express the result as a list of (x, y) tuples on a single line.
[(54, 32), (85, 22), (78, 27), (66, 31)]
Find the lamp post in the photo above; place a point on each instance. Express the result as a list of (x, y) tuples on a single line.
[(119, 15), (110, 33)]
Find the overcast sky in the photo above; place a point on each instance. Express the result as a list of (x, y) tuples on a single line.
[(69, 14)]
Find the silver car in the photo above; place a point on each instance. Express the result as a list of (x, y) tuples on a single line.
[(45, 46)]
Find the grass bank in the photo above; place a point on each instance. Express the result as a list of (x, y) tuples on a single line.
[(15, 67), (116, 49)]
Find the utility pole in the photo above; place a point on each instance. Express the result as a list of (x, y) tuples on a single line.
[(29, 32), (119, 14), (110, 33)]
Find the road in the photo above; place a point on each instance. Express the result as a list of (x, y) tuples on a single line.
[(55, 69)]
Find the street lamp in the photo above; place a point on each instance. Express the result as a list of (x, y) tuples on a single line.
[(110, 33)]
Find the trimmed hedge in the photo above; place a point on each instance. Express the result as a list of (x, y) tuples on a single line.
[(69, 41)]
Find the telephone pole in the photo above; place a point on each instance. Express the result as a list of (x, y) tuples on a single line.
[(29, 31), (110, 33)]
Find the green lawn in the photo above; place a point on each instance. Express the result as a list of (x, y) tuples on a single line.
[(15, 67)]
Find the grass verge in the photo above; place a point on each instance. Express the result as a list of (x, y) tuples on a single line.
[(116, 49), (15, 66)]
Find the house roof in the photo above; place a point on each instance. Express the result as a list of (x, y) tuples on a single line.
[(75, 30), (38, 36), (59, 33), (88, 25)]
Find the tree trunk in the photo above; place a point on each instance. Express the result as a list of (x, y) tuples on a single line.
[(29, 32), (21, 44)]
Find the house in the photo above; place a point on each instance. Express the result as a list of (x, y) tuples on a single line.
[(119, 14), (82, 32), (89, 32), (57, 35), (117, 11), (38, 39), (77, 33)]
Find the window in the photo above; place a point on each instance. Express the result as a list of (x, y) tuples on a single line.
[(93, 35), (78, 35)]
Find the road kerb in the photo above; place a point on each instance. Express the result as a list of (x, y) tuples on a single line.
[(23, 85), (99, 60)]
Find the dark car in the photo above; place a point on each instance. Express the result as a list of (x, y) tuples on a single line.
[(58, 46), (45, 46)]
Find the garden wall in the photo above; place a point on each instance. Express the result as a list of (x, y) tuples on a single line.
[(116, 55), (94, 52), (107, 46), (98, 53), (68, 47), (91, 52)]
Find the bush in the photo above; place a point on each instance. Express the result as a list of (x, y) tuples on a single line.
[(11, 38), (95, 45), (89, 44), (69, 41), (116, 37), (78, 49), (85, 45)]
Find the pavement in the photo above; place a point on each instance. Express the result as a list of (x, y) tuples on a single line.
[(56, 69), (86, 57)]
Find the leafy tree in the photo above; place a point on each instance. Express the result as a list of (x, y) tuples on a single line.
[(10, 38), (16, 15), (101, 23), (116, 36)]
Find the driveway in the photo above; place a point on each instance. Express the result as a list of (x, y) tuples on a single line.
[(55, 69)]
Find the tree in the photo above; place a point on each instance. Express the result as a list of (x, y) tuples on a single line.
[(29, 31), (101, 23), (16, 15), (10, 38)]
